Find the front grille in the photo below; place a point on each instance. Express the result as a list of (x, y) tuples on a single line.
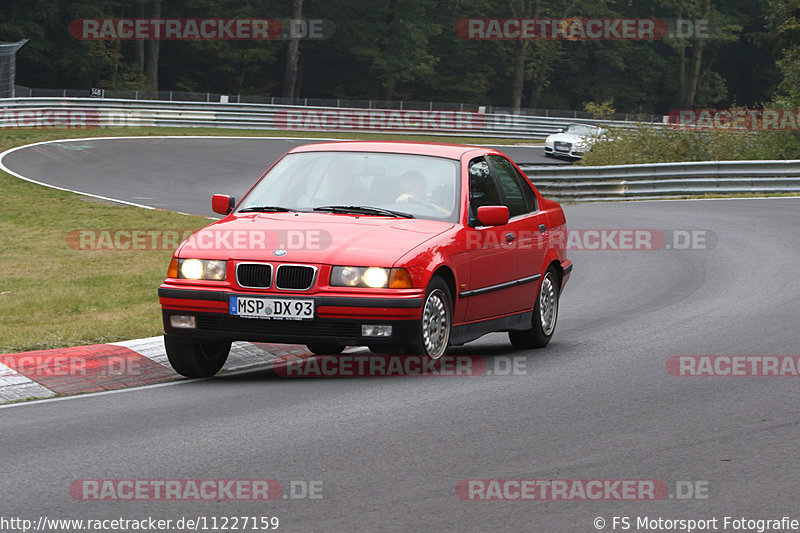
[(563, 147), (254, 275), (278, 328), (295, 277)]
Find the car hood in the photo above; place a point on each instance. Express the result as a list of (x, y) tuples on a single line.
[(321, 238), (566, 137)]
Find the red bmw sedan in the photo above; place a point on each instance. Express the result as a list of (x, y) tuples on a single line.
[(401, 247)]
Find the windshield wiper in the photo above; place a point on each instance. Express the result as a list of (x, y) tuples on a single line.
[(363, 209), (265, 209)]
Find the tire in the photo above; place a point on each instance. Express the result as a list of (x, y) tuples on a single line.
[(433, 335), (549, 154), (545, 315), (325, 348), (196, 359)]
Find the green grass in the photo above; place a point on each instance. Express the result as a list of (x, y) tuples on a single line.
[(644, 144), (53, 295)]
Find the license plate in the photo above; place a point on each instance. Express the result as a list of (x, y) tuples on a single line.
[(272, 308), (562, 148)]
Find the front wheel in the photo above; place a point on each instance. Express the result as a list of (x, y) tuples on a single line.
[(200, 359), (433, 334), (545, 314)]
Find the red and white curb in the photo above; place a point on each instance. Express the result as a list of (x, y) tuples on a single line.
[(101, 367)]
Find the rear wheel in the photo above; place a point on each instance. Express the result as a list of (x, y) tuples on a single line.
[(199, 359), (433, 334), (325, 348), (545, 314)]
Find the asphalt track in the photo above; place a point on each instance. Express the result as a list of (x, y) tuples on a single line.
[(176, 173), (597, 403)]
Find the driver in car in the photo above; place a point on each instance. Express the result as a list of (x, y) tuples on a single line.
[(413, 186)]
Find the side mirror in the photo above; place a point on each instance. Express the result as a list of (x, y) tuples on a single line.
[(223, 204), (493, 215)]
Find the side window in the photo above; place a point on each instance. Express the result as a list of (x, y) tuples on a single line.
[(518, 195), (527, 192), (482, 189)]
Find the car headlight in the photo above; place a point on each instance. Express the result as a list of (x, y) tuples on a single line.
[(581, 144), (207, 269), (372, 277)]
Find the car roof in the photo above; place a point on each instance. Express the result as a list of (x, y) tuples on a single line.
[(451, 151)]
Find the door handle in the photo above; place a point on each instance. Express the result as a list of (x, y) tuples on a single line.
[(510, 237), (542, 228)]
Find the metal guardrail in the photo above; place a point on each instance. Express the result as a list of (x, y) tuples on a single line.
[(570, 183), (665, 180), (187, 96), (113, 112)]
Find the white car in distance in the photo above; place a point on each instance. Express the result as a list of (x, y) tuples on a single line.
[(573, 141)]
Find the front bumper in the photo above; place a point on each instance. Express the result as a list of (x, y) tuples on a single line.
[(572, 154), (346, 332), (338, 319)]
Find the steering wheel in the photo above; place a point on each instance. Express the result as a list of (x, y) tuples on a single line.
[(427, 204)]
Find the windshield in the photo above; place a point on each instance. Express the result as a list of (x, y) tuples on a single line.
[(582, 129), (420, 186)]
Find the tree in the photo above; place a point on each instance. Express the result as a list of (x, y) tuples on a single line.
[(692, 49), (401, 54), (153, 48), (784, 22), (292, 55)]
